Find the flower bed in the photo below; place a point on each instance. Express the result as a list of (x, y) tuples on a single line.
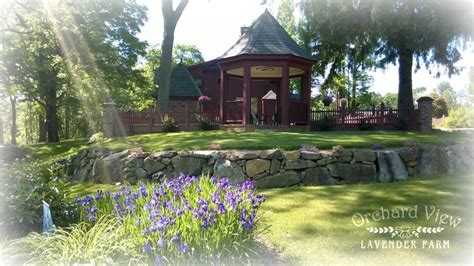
[(186, 218)]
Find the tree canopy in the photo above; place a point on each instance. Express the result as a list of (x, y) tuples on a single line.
[(63, 51), (398, 31)]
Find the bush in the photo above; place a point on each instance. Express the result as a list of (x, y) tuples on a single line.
[(169, 124), (22, 187), (440, 107), (103, 243), (185, 219), (327, 123), (203, 123), (460, 118), (97, 137), (364, 125)]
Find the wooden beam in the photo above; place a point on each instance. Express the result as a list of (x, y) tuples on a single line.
[(246, 95), (284, 95)]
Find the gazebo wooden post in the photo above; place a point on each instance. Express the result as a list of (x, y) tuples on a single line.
[(222, 94), (246, 95), (306, 92), (284, 95)]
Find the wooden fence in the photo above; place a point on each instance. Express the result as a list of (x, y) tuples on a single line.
[(133, 122), (346, 119)]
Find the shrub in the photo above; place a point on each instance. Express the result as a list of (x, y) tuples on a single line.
[(185, 219), (327, 123), (22, 187), (97, 137), (309, 148), (364, 125), (203, 123), (460, 118), (169, 124), (103, 243), (440, 107), (376, 146)]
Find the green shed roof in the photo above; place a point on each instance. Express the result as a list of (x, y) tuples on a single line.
[(182, 83)]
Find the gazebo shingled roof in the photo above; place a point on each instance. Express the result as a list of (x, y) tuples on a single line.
[(266, 37)]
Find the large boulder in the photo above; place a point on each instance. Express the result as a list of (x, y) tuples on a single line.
[(299, 164), (244, 155), (285, 179), (107, 170), (317, 176), (257, 166), (353, 173), (275, 166), (271, 154), (152, 165), (364, 155), (391, 167), (291, 155), (433, 161), (229, 169), (410, 154), (188, 165), (310, 155)]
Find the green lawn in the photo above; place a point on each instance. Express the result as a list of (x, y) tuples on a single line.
[(313, 225), (252, 140)]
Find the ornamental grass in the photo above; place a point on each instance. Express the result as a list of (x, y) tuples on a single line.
[(184, 219)]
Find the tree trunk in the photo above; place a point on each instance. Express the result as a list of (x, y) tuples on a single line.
[(170, 19), (42, 129), (354, 85), (165, 68), (52, 122), (13, 126), (405, 90)]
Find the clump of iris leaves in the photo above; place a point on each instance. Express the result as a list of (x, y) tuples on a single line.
[(184, 220)]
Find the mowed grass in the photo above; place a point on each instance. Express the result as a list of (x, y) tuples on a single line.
[(199, 140), (313, 225)]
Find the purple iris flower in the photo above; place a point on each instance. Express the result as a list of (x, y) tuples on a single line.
[(147, 248), (161, 242), (176, 238), (99, 195), (183, 247)]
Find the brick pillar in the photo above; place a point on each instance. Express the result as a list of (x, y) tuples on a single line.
[(425, 113), (108, 119)]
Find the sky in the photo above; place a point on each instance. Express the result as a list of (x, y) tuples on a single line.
[(214, 26)]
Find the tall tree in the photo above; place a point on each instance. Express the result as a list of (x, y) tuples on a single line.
[(286, 17), (446, 91), (405, 31), (337, 34), (187, 54), (170, 20), (416, 31), (86, 49)]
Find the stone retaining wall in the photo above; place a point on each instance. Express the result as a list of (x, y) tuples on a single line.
[(272, 168)]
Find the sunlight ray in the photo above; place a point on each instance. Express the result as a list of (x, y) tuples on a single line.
[(76, 52)]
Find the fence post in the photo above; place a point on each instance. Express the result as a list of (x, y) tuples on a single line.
[(425, 113), (108, 119), (150, 120), (382, 115)]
